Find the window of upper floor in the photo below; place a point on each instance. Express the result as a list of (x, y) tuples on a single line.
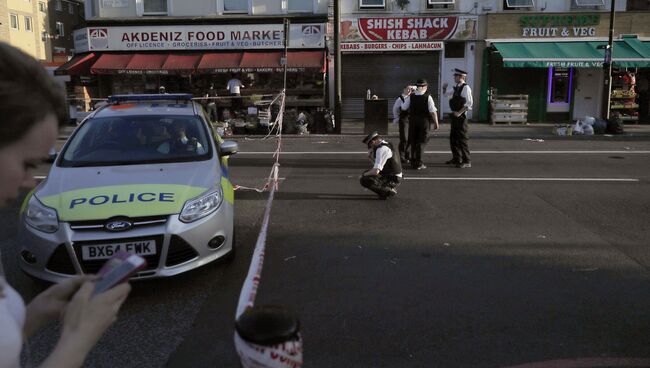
[(154, 7), (638, 4), (518, 4), (60, 29), (235, 6), (41, 7), (300, 6), (28, 24), (440, 5), (58, 5), (372, 4), (13, 20), (70, 8), (581, 4)]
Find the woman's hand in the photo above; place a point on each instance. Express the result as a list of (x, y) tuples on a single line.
[(50, 304), (87, 317)]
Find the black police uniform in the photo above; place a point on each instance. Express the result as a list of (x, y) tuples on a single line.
[(388, 177), (458, 135), (403, 123), (419, 122)]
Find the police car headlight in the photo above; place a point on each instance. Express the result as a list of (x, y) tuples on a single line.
[(41, 217), (198, 208)]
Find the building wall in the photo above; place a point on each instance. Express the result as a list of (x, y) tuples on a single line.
[(196, 8), (70, 22), (29, 41)]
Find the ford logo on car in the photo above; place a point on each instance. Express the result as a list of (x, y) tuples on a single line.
[(118, 225)]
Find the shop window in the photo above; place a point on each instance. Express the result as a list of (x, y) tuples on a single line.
[(518, 4), (235, 6), (455, 50), (560, 80), (58, 5), (440, 4), (28, 24), (372, 4), (60, 29), (14, 21), (638, 4), (155, 7), (303, 6), (41, 6)]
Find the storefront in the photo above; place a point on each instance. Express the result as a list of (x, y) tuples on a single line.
[(556, 61), (189, 58), (384, 54)]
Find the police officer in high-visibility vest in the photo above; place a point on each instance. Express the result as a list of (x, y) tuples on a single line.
[(422, 114), (460, 102), (386, 173)]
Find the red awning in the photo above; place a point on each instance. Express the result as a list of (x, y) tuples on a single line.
[(219, 62), (306, 59), (146, 63), (208, 63), (261, 60), (111, 63), (182, 63), (78, 65)]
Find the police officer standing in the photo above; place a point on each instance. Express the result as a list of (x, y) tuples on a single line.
[(422, 113), (460, 102), (401, 118), (386, 172)]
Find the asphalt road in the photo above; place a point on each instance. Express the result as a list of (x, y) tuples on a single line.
[(481, 268)]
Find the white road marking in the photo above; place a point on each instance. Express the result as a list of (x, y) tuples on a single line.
[(615, 180), (563, 152)]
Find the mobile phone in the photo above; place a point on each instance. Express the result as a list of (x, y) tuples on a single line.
[(118, 269)]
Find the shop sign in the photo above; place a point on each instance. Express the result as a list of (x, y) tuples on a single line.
[(551, 63), (391, 46), (198, 37), (549, 26), (390, 29)]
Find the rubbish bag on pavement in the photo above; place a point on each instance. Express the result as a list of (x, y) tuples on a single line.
[(615, 126), (600, 126), (588, 130)]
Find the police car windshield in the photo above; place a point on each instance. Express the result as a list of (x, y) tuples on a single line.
[(133, 140)]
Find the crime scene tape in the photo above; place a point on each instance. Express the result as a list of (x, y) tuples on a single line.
[(287, 354)]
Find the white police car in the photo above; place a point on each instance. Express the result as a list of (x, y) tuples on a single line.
[(144, 174)]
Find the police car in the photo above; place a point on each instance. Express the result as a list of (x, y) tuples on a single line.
[(144, 174)]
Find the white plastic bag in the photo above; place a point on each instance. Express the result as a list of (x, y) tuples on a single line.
[(578, 128), (589, 120), (588, 130)]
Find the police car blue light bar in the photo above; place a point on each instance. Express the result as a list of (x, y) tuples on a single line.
[(151, 97)]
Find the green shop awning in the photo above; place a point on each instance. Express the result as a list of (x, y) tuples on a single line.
[(628, 52)]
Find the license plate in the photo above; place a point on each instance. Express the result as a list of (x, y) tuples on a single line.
[(106, 251)]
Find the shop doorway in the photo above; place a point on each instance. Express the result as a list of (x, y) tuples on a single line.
[(588, 92), (559, 93), (385, 75)]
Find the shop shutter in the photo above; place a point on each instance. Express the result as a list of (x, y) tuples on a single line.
[(385, 75)]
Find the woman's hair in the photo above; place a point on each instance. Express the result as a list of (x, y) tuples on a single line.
[(28, 94)]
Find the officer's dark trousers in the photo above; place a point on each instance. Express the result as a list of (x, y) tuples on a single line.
[(403, 141), (380, 184), (417, 151), (458, 140)]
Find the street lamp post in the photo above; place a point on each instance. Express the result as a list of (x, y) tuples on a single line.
[(607, 65), (337, 66)]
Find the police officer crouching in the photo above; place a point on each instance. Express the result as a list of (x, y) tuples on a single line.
[(386, 173)]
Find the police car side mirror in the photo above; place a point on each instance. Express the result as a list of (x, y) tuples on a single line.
[(228, 148)]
